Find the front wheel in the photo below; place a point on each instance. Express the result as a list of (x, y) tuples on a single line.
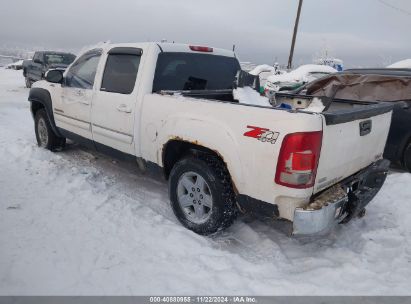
[(28, 83), (46, 138), (407, 157), (202, 195)]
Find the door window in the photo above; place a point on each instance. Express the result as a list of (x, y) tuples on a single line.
[(83, 72), (120, 73), (37, 57)]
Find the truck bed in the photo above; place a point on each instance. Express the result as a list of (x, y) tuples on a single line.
[(338, 110)]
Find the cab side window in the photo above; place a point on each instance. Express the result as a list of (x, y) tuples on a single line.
[(120, 73), (37, 57), (83, 72)]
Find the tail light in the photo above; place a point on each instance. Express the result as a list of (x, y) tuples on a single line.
[(201, 48), (298, 160)]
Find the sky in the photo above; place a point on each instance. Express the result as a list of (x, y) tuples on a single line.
[(362, 33)]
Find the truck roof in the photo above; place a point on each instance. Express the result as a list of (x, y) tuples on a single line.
[(54, 52), (177, 47)]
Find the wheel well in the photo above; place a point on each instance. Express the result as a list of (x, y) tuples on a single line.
[(35, 106), (174, 150)]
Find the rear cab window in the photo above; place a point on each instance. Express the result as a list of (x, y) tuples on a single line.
[(59, 58), (191, 71)]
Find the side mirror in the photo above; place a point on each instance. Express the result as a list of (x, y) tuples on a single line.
[(38, 61), (54, 76)]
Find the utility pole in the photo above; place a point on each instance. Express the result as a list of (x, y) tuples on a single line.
[(297, 20)]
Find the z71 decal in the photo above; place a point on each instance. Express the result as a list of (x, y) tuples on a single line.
[(262, 134)]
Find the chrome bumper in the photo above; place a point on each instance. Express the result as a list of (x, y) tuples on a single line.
[(342, 202), (317, 222)]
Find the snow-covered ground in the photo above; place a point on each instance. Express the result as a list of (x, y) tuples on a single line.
[(77, 222)]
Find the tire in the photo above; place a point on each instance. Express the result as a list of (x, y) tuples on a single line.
[(46, 138), (28, 83), (407, 157), (218, 203)]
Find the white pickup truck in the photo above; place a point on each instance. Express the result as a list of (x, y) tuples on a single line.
[(171, 106)]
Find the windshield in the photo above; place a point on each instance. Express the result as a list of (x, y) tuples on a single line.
[(191, 71), (59, 58)]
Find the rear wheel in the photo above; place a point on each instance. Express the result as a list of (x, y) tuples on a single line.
[(407, 157), (201, 194), (46, 138)]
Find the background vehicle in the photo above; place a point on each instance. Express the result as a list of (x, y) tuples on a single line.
[(390, 85), (6, 60), (17, 65), (335, 63), (35, 69), (296, 78), (172, 107)]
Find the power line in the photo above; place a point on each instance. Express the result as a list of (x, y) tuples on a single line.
[(398, 9)]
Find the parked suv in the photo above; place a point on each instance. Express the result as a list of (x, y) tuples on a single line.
[(35, 69)]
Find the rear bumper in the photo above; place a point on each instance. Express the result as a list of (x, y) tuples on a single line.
[(319, 221), (340, 203)]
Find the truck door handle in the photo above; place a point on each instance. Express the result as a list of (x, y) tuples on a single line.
[(80, 93), (124, 108)]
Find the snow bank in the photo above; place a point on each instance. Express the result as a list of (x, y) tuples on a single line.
[(249, 96), (403, 64), (17, 63), (262, 68), (79, 223), (300, 74)]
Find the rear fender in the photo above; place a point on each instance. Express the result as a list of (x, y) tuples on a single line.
[(212, 135)]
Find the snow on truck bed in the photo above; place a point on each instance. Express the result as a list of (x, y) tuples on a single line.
[(301, 73), (79, 223)]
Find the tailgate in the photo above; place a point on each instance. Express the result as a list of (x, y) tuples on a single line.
[(352, 140)]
